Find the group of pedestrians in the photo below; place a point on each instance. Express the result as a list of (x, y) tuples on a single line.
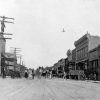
[(26, 75)]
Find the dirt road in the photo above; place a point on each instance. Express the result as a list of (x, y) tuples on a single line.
[(48, 89)]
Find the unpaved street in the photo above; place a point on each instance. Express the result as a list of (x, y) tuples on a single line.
[(48, 89)]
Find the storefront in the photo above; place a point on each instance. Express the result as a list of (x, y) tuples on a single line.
[(76, 74), (94, 62)]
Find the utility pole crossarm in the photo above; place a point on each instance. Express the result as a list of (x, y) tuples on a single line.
[(5, 38), (3, 21), (7, 34), (7, 21), (6, 17)]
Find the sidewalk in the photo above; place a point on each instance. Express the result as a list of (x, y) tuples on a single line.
[(95, 82)]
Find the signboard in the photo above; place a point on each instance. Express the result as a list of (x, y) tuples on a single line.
[(17, 68), (93, 55), (76, 72), (11, 67), (9, 63)]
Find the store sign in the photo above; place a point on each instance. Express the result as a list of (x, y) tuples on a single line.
[(76, 72), (9, 63), (17, 68), (11, 67)]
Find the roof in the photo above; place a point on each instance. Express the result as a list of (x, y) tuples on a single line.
[(10, 57), (80, 39)]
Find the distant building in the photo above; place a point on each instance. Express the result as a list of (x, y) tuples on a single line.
[(60, 66), (10, 62), (73, 72), (22, 70), (74, 55), (71, 54)]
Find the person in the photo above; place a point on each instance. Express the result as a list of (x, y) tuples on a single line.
[(33, 73), (95, 76), (50, 74), (3, 72), (40, 72), (64, 75), (26, 74)]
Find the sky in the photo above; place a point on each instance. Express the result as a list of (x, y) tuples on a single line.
[(38, 25)]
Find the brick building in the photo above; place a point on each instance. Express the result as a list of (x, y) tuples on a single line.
[(94, 62), (83, 46)]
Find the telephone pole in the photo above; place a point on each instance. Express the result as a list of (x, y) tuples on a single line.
[(20, 58), (16, 51), (3, 20)]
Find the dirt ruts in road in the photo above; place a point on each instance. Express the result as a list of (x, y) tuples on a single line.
[(48, 89)]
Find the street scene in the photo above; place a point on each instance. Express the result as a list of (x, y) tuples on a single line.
[(49, 50)]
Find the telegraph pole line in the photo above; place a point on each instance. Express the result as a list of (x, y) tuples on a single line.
[(20, 58), (4, 20), (16, 50), (23, 63)]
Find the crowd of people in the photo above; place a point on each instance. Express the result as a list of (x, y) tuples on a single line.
[(42, 73), (27, 74)]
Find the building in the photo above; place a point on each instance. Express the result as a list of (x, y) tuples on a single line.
[(73, 72), (66, 68), (94, 62), (60, 66), (83, 45), (2, 48), (22, 70), (74, 57), (11, 65), (71, 54), (10, 61)]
